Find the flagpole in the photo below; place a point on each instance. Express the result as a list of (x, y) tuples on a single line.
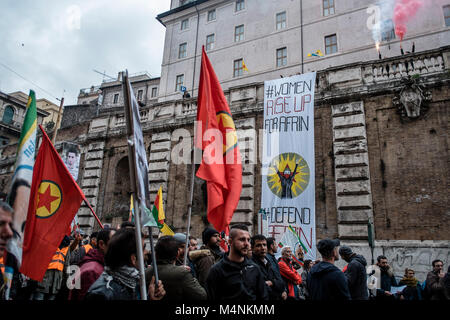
[(95, 216), (133, 174), (191, 198), (155, 268), (57, 121)]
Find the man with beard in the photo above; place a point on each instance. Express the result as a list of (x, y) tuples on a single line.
[(272, 248), (275, 284), (235, 277), (355, 273), (209, 254), (325, 281), (434, 283), (385, 278)]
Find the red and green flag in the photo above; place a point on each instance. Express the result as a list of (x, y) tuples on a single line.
[(159, 216)]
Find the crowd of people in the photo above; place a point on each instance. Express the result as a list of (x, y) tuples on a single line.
[(105, 268)]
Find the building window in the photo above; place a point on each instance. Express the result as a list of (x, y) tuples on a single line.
[(330, 44), (210, 42), (237, 68), (116, 98), (8, 115), (447, 15), (328, 7), (281, 57), (388, 31), (4, 141), (240, 5), (281, 20), (184, 24), (211, 15), (154, 92), (239, 33), (179, 82), (182, 51), (140, 93)]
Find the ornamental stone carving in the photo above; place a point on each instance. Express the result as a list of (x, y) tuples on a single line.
[(412, 101)]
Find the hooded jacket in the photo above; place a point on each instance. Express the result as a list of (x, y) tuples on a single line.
[(204, 261), (91, 267), (357, 277), (326, 282), (232, 281)]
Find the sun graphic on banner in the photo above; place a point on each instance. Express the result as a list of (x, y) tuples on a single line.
[(49, 199), (288, 175), (226, 125)]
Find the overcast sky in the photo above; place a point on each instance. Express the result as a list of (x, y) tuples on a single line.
[(57, 44)]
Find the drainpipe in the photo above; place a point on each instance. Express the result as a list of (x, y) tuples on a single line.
[(195, 53), (301, 28)]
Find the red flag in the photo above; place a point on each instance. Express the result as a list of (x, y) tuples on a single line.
[(221, 164), (54, 200)]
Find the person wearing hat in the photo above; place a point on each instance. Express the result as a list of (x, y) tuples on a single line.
[(181, 240), (208, 255), (355, 273), (325, 281)]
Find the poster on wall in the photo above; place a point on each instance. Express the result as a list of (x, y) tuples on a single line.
[(288, 186), (71, 158)]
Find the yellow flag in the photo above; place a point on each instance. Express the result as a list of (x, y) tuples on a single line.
[(244, 67), (165, 230), (131, 215)]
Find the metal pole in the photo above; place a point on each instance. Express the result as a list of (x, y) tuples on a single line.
[(57, 121), (301, 28), (191, 199), (155, 269), (133, 174), (140, 253)]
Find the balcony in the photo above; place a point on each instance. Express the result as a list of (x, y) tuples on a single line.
[(427, 63)]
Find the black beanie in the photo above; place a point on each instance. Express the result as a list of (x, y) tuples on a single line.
[(207, 234)]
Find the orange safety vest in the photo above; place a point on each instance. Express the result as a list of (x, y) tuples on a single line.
[(2, 265), (87, 247), (58, 259)]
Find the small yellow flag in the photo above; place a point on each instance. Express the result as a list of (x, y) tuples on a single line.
[(165, 230), (244, 67)]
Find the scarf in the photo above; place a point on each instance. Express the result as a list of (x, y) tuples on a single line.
[(409, 282), (125, 275)]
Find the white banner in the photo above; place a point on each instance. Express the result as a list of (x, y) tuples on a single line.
[(288, 186)]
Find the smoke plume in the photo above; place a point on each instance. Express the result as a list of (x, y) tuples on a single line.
[(405, 10)]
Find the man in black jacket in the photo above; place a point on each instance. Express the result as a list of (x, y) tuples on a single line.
[(235, 277), (275, 283), (325, 281), (355, 273)]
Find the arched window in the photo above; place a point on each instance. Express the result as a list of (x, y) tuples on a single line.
[(8, 115)]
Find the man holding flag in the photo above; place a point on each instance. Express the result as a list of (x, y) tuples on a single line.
[(221, 165)]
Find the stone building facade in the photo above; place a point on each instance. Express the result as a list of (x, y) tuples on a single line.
[(381, 154), (277, 37)]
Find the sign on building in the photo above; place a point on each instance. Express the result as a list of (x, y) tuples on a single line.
[(288, 186)]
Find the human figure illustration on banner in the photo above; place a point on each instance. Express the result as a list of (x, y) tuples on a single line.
[(286, 180)]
